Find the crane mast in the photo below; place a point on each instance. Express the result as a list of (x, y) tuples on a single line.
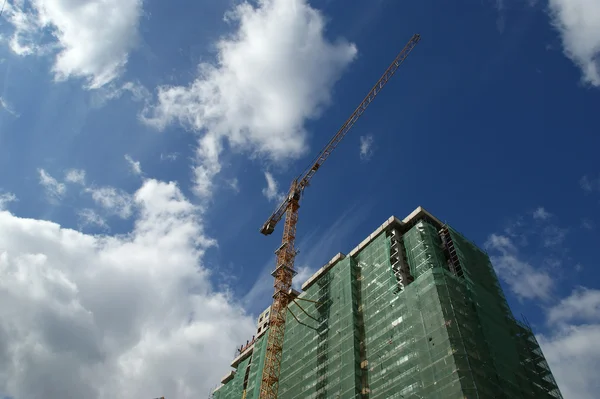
[(284, 268)]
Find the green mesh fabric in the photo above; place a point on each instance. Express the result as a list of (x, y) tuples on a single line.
[(407, 347), (449, 334), (234, 388), (320, 356), (520, 368), (258, 360), (423, 248)]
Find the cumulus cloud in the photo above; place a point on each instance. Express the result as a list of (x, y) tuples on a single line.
[(366, 147), (135, 166), (571, 345), (92, 38), (113, 200), (525, 280), (578, 22), (131, 316), (75, 176), (54, 189), (574, 358), (5, 199), (271, 75), (582, 305), (272, 190)]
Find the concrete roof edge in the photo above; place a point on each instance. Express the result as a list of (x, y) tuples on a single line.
[(242, 356), (227, 377), (419, 211), (311, 280)]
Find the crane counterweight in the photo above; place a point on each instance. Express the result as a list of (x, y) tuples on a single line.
[(286, 253)]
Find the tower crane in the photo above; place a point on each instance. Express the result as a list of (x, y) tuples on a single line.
[(286, 253)]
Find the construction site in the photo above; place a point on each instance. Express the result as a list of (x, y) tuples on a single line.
[(414, 311)]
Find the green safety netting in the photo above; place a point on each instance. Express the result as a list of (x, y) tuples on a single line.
[(447, 334)]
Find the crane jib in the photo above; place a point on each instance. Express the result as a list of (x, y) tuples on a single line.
[(345, 128)]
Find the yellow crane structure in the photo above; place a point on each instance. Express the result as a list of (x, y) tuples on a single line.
[(286, 253)]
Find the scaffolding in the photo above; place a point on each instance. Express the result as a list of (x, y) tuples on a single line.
[(415, 312)]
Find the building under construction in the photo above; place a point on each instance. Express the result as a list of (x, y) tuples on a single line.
[(414, 311)]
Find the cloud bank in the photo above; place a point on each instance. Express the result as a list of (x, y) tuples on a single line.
[(132, 316)]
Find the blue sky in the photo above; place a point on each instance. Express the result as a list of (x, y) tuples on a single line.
[(144, 143)]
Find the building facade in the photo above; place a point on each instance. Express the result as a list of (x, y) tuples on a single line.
[(414, 311)]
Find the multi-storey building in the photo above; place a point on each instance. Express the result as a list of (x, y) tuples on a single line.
[(414, 311)]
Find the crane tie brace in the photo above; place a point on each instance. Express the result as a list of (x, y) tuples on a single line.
[(284, 270)]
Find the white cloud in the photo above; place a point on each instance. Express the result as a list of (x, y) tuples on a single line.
[(524, 280), (7, 107), (574, 358), (304, 273), (75, 176), (569, 343), (137, 90), (5, 199), (500, 243), (366, 147), (92, 37), (531, 254), (207, 155), (272, 74), (113, 200), (582, 305), (131, 316), (571, 346), (541, 213), (578, 22), (88, 217), (135, 166), (573, 323), (272, 190), (114, 90), (54, 189)]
